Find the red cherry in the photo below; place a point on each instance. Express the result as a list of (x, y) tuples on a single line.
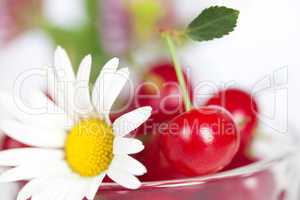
[(9, 143), (200, 141), (161, 91), (240, 160), (244, 109), (158, 168)]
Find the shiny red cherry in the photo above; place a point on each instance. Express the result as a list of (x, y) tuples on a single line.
[(158, 168), (160, 90), (244, 109), (200, 141), (240, 160)]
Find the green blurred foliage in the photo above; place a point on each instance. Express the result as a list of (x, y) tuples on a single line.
[(146, 15), (86, 38), (81, 41)]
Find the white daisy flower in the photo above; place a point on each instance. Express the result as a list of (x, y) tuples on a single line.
[(70, 160)]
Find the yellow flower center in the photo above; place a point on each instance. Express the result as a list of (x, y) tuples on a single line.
[(89, 147)]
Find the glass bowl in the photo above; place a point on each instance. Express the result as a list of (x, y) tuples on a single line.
[(274, 177)]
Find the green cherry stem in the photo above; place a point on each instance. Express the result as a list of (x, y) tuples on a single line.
[(178, 69)]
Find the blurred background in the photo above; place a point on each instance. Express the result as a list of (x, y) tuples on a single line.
[(261, 55)]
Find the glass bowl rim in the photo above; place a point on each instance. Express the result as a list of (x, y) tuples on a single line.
[(245, 171)]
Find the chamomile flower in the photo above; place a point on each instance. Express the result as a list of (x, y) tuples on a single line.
[(76, 147)]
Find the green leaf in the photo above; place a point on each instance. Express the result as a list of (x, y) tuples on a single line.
[(213, 22)]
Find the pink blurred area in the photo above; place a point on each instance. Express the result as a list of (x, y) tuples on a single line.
[(17, 16), (120, 20)]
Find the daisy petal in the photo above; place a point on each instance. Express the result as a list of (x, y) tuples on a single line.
[(15, 157), (32, 136), (84, 70), (107, 89), (34, 170), (76, 190), (82, 86), (115, 87), (54, 188), (132, 120), (98, 91), (75, 194), (127, 146), (52, 116), (124, 179), (7, 105), (111, 65), (63, 64), (31, 188), (66, 98), (65, 82), (50, 192), (105, 76), (51, 83), (70, 103), (94, 186), (107, 71), (20, 173), (54, 89), (128, 164), (62, 195), (48, 187), (42, 195)]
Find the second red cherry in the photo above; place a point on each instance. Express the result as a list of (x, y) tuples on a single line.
[(244, 109), (200, 141)]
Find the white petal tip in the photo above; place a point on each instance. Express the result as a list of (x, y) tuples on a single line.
[(140, 146), (142, 172), (88, 58), (86, 62), (138, 143), (127, 146), (113, 63), (145, 171), (59, 53), (135, 186), (115, 60), (58, 49), (148, 110)]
